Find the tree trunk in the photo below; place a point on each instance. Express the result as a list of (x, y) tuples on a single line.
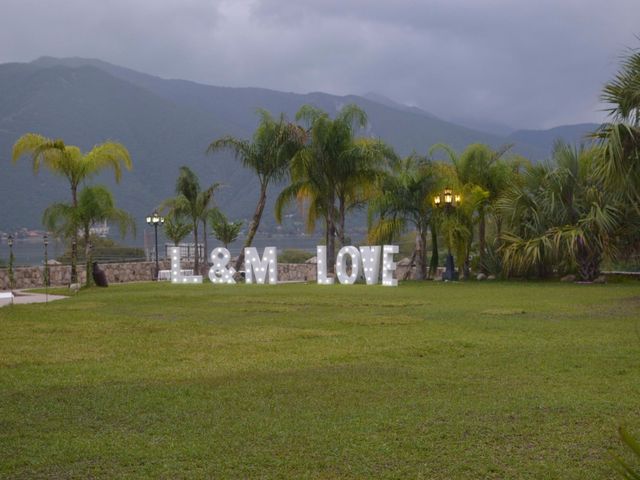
[(255, 223), (196, 263), (87, 256), (481, 239), (588, 262), (205, 259), (421, 265), (407, 274), (331, 239), (433, 266), (74, 237), (342, 222)]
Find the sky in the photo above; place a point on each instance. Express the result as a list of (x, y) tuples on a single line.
[(520, 63)]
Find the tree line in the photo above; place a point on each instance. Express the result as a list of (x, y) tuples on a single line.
[(569, 213)]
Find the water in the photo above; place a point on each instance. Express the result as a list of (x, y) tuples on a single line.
[(30, 251)]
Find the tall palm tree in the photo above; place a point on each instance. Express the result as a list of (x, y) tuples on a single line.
[(361, 169), (69, 161), (320, 171), (95, 204), (268, 154), (192, 202), (405, 200)]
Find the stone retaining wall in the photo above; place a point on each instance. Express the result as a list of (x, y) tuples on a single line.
[(60, 275)]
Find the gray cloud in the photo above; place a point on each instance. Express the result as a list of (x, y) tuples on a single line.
[(527, 63)]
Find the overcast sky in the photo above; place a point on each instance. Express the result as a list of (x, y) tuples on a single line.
[(525, 63)]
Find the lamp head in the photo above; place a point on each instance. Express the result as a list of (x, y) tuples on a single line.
[(10, 240), (448, 196)]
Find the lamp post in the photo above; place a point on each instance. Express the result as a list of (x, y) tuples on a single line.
[(448, 200), (46, 268), (10, 243), (155, 220)]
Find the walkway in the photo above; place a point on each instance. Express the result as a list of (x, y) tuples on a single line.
[(22, 298)]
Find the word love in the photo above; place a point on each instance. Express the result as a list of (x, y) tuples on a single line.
[(373, 261), (370, 264)]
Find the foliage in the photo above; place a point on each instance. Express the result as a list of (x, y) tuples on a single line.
[(69, 161), (192, 202), (619, 165), (103, 250), (269, 153), (293, 255), (223, 230), (405, 202), (95, 205), (481, 175), (333, 172), (561, 216), (176, 227)]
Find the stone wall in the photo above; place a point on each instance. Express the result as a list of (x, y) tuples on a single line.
[(60, 275)]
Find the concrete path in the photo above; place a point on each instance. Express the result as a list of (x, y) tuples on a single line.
[(22, 298)]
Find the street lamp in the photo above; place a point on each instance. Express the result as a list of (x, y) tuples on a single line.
[(155, 220), (10, 243), (449, 200)]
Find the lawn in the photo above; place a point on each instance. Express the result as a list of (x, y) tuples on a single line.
[(427, 380)]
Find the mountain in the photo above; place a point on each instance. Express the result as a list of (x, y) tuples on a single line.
[(168, 123), (544, 139)]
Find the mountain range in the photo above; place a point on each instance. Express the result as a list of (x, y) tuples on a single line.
[(167, 123)]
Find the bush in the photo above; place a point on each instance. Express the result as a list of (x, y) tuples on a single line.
[(294, 256), (104, 250)]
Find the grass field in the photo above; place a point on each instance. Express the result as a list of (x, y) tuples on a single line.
[(431, 380)]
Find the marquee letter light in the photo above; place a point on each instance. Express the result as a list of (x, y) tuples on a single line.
[(388, 265), (321, 255), (219, 273), (341, 265), (371, 263), (254, 267), (176, 269)]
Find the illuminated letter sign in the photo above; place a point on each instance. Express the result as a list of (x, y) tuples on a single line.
[(371, 263), (219, 273), (176, 269), (341, 265), (254, 267), (321, 256)]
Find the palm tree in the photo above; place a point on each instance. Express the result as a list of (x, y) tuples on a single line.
[(69, 162), (176, 228), (361, 169), (480, 166), (268, 154), (619, 164), (404, 200), (95, 204), (562, 216), (223, 230), (192, 202), (322, 172)]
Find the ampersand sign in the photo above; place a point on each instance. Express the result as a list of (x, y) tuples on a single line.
[(219, 273)]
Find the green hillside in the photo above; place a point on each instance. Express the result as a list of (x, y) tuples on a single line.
[(168, 123)]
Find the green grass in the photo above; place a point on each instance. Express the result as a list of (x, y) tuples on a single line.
[(433, 380)]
